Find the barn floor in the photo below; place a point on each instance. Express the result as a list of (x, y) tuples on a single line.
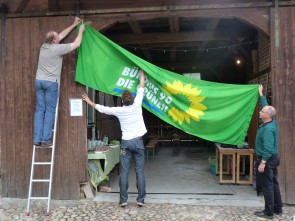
[(183, 178)]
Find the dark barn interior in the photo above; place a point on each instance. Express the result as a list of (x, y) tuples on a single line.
[(208, 46)]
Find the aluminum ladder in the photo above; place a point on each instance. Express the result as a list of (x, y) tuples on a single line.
[(51, 164)]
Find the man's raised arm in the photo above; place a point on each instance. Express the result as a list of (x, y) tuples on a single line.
[(141, 78)]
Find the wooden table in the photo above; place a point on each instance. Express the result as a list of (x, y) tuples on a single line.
[(233, 163), (104, 162), (230, 154), (242, 155)]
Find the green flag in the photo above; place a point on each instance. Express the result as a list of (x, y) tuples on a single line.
[(213, 111)]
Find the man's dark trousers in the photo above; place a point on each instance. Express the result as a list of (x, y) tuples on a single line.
[(270, 185)]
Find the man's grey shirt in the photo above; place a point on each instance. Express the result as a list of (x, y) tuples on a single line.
[(50, 61)]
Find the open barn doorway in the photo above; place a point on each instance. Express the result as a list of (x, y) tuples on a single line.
[(218, 50)]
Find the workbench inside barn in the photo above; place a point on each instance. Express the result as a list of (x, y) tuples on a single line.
[(232, 163)]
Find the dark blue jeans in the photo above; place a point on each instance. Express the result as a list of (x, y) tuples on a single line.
[(270, 186), (46, 100), (132, 149)]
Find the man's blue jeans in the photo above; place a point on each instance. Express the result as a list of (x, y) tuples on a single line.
[(46, 100), (132, 149)]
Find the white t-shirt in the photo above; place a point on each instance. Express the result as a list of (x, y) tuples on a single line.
[(130, 117)]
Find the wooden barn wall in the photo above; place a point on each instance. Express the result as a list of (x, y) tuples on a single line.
[(23, 40), (1, 98), (283, 84)]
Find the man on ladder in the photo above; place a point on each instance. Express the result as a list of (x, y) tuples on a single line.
[(47, 98), (47, 81)]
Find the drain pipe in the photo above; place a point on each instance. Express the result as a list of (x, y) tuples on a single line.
[(3, 28), (277, 28), (78, 8)]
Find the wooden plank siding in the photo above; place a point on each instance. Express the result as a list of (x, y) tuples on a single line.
[(17, 76), (24, 37), (2, 114), (283, 84), (10, 139)]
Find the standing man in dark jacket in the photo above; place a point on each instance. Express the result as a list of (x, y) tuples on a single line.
[(268, 159)]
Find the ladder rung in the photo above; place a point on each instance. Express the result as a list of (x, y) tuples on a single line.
[(42, 163), (41, 180), (39, 198), (40, 147)]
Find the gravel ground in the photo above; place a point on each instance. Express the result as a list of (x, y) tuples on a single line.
[(63, 210)]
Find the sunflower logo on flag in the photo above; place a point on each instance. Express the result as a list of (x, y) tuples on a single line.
[(187, 100)]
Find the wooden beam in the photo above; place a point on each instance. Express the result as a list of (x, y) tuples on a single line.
[(158, 3), (256, 17), (212, 24), (22, 5), (244, 11), (168, 7), (174, 27), (136, 28), (220, 11), (256, 21), (185, 65), (174, 24), (167, 37), (176, 45)]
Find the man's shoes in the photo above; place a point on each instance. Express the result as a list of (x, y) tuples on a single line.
[(46, 144), (37, 143), (257, 212), (140, 204), (261, 214), (278, 213), (123, 204)]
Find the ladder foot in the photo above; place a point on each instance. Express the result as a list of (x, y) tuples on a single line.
[(48, 213), (27, 213)]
